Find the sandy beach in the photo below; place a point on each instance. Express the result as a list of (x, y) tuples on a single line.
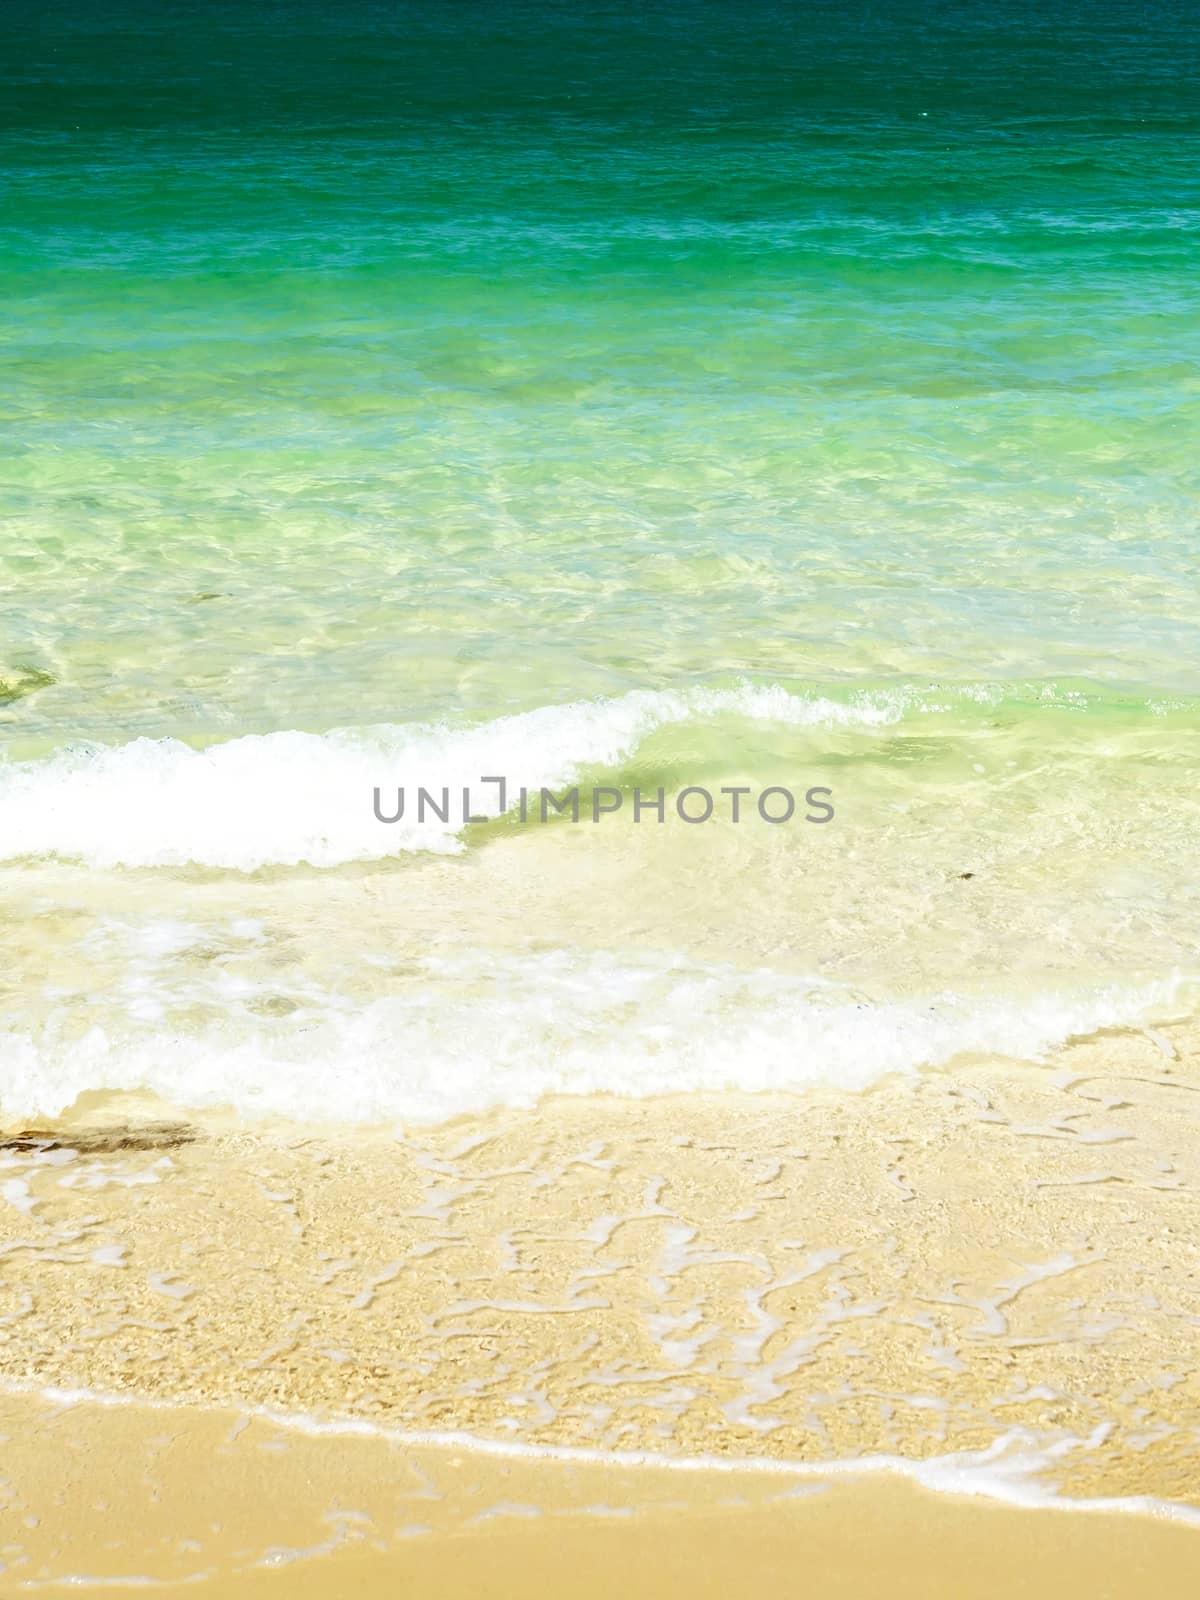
[(680, 1310), (599, 800), (209, 1503)]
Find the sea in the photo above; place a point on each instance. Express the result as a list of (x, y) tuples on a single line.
[(682, 406)]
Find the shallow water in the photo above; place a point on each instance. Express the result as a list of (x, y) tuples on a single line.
[(732, 394)]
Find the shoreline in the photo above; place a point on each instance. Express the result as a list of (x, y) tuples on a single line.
[(951, 1310), (912, 1271), (962, 1475), (211, 1503)]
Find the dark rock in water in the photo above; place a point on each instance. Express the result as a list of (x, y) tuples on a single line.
[(102, 1141), (23, 681)]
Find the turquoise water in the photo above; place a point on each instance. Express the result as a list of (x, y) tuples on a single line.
[(394, 364)]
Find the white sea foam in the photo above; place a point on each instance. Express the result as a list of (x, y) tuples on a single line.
[(289, 798), (485, 1029)]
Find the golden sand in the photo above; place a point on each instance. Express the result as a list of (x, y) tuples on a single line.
[(1001, 1259), (208, 1504)]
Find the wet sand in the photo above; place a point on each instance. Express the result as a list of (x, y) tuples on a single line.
[(992, 1273), (208, 1503)]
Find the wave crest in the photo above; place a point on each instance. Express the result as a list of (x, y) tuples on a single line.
[(292, 798)]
